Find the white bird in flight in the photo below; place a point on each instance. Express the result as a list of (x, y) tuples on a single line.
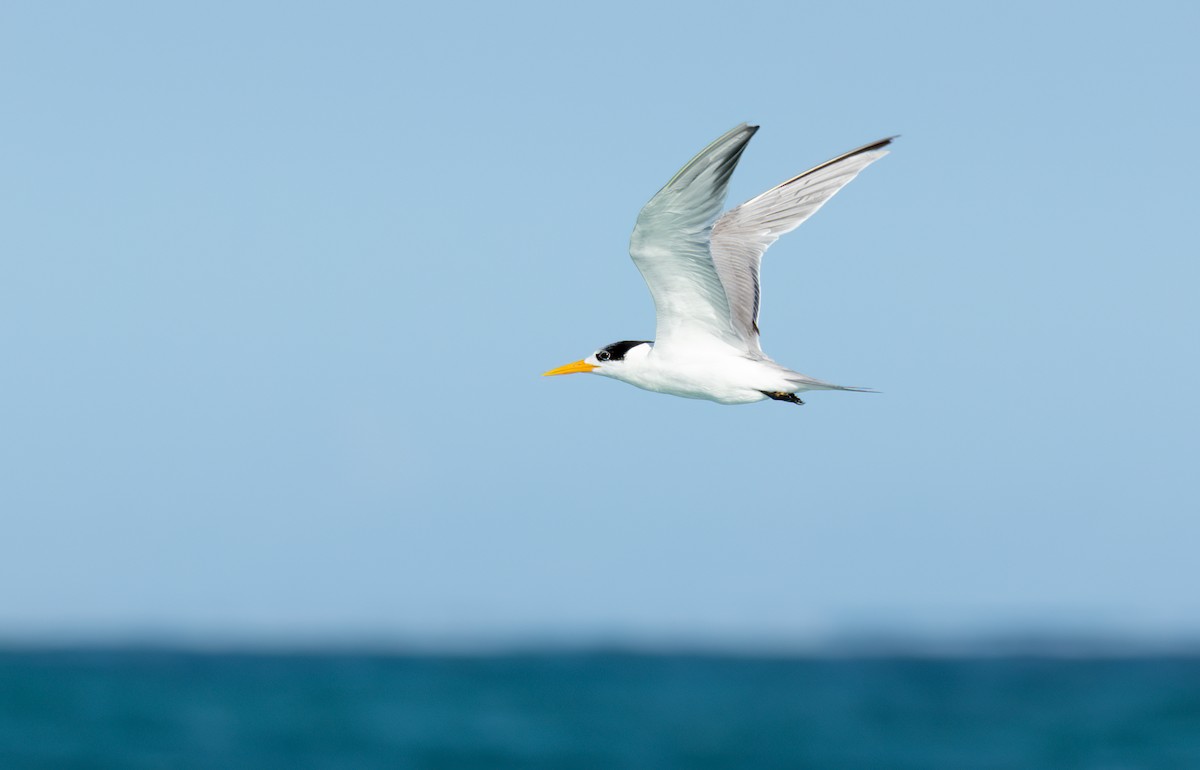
[(702, 270)]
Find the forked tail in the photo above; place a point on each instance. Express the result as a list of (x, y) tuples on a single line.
[(804, 382)]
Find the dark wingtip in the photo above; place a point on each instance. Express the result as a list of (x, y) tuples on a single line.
[(875, 145)]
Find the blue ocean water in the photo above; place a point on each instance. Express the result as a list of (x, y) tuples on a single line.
[(156, 709)]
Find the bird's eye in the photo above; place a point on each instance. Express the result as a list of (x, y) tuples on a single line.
[(603, 355)]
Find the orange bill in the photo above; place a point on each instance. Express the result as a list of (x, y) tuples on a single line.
[(575, 368)]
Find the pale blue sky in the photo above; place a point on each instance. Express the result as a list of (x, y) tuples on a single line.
[(278, 282)]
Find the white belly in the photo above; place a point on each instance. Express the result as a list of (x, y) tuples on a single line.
[(726, 379)]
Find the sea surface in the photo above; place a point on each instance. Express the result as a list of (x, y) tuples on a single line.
[(171, 709)]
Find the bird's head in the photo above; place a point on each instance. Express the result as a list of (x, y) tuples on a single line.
[(609, 360)]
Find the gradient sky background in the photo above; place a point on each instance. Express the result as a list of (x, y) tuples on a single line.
[(277, 283)]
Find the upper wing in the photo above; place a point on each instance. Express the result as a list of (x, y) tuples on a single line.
[(670, 244), (740, 237)]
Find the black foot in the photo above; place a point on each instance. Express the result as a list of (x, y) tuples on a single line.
[(782, 395)]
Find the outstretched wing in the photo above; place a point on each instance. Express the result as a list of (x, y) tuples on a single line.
[(670, 245), (740, 237)]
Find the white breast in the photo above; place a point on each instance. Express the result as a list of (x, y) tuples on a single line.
[(710, 371)]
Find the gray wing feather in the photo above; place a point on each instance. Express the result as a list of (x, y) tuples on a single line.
[(740, 237), (670, 244)]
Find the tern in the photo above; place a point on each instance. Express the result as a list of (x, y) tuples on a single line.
[(702, 270)]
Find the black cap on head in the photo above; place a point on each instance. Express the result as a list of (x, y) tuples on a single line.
[(617, 350)]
